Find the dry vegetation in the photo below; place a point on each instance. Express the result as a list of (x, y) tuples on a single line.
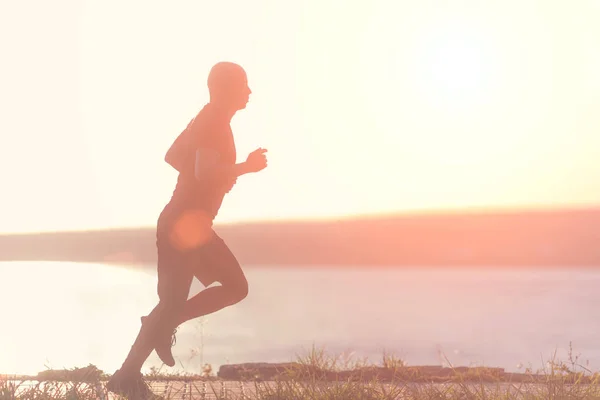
[(319, 376)]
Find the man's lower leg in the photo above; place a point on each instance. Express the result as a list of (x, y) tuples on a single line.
[(207, 302), (204, 303), (163, 328), (140, 351), (145, 341)]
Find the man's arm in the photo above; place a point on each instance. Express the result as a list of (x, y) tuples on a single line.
[(240, 169), (209, 169)]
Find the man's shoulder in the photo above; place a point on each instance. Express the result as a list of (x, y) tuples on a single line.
[(209, 119), (209, 129)]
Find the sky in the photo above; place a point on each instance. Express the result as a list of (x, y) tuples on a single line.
[(365, 107)]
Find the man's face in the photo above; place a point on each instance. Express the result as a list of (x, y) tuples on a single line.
[(228, 82), (241, 93)]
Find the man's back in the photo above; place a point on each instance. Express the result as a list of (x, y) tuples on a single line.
[(210, 129)]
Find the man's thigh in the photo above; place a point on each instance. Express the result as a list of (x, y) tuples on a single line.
[(174, 276), (216, 263)]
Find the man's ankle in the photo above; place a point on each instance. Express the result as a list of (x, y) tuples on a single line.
[(128, 370)]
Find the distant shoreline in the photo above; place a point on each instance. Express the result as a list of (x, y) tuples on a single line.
[(545, 238)]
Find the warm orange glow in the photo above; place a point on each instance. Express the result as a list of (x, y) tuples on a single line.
[(191, 230)]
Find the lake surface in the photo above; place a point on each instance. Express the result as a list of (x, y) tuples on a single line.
[(65, 315)]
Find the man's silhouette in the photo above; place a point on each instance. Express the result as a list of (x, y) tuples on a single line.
[(204, 155)]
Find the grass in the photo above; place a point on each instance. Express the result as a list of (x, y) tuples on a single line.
[(320, 376)]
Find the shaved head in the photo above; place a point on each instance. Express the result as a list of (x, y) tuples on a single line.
[(228, 86), (225, 77)]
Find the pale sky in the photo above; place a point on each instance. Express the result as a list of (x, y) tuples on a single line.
[(365, 106)]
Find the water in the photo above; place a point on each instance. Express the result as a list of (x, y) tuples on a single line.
[(65, 315)]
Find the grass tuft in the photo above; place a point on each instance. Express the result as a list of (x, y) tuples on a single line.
[(320, 376)]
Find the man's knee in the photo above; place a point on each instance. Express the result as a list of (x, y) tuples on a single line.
[(243, 291), (238, 289)]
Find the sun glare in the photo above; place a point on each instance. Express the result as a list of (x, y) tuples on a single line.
[(453, 70), (457, 89), (443, 79)]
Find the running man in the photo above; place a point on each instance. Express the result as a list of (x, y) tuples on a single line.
[(204, 155)]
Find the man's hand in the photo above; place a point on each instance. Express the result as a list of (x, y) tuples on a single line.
[(257, 160)]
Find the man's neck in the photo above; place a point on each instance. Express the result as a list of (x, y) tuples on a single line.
[(224, 109)]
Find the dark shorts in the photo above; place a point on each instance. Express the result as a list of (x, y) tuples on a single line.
[(210, 262)]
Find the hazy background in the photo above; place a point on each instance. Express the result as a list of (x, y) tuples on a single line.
[(374, 107), (365, 107)]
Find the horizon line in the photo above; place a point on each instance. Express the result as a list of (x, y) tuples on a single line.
[(477, 210)]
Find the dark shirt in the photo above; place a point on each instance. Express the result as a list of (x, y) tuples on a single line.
[(210, 129)]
